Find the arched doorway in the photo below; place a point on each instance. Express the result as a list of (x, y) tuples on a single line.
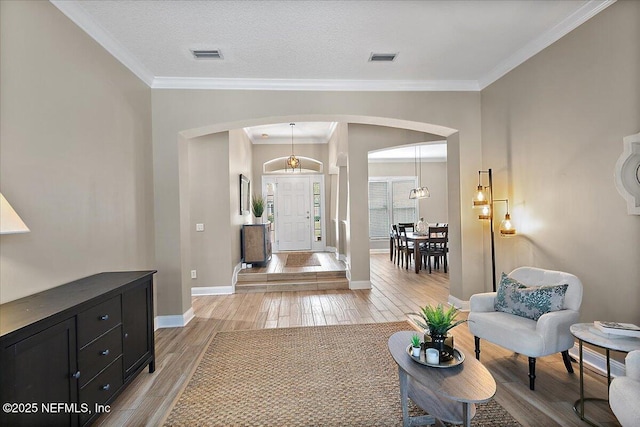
[(347, 166), (341, 156)]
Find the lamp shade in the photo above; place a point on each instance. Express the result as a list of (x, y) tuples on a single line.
[(10, 221), (480, 199), (419, 193), (485, 213), (506, 227)]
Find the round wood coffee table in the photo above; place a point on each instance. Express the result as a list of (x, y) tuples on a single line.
[(448, 394)]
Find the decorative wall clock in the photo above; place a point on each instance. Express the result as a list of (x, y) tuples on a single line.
[(627, 173)]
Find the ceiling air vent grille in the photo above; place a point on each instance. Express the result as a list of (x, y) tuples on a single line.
[(382, 57), (207, 54)]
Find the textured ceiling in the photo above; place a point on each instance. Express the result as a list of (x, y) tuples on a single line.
[(446, 45), (325, 45), (281, 133)]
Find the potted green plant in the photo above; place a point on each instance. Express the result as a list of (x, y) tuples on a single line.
[(257, 206), (437, 321), (415, 345)]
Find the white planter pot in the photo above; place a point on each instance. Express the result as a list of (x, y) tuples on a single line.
[(416, 351)]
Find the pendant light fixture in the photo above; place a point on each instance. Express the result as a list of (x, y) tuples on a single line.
[(292, 161), (420, 192)]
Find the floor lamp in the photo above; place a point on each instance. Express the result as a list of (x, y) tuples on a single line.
[(484, 200)]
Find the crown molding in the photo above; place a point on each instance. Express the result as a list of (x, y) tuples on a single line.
[(75, 13), (287, 140), (314, 85), (579, 17)]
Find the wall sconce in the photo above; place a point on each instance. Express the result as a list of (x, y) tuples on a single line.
[(10, 221), (484, 200)]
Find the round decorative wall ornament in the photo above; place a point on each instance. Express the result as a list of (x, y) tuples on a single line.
[(627, 173)]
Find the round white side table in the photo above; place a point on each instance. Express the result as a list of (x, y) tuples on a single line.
[(586, 332)]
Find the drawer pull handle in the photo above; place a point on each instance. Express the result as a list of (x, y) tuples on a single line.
[(76, 375), (106, 387), (104, 317), (105, 352)]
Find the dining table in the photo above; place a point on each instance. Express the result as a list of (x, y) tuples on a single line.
[(417, 238)]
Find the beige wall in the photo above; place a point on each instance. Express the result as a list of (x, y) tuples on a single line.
[(210, 204), (552, 132), (209, 169), (240, 162), (75, 146)]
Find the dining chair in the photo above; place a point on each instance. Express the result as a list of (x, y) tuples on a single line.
[(399, 251), (393, 245), (406, 247), (436, 247), (408, 226)]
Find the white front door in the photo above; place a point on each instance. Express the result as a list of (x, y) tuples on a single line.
[(293, 218)]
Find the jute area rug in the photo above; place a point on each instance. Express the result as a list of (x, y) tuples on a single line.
[(302, 259), (308, 376)]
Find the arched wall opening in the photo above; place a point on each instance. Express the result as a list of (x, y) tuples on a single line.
[(346, 158), (178, 115), (277, 165)]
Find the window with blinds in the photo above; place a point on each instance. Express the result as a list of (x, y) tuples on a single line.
[(389, 203)]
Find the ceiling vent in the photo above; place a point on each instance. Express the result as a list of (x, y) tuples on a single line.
[(382, 57), (207, 54)]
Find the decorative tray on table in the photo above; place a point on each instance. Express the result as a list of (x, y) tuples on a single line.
[(448, 359)]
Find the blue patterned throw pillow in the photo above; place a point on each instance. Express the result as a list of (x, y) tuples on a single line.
[(530, 302)]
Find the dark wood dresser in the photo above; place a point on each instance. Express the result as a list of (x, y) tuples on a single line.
[(67, 352)]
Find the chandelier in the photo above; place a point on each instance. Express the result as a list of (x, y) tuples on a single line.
[(420, 192), (292, 161)]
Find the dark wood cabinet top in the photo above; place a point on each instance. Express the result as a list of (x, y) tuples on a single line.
[(55, 302)]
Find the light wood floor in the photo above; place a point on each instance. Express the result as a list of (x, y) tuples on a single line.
[(395, 291)]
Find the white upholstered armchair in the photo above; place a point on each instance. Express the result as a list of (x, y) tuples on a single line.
[(624, 392), (547, 335)]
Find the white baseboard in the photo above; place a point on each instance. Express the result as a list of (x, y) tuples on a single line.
[(379, 251), (360, 284), (597, 361), (461, 305), (174, 321), (211, 290), (331, 249), (234, 278)]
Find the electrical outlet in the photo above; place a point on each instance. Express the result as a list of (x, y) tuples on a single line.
[(199, 227), (194, 274)]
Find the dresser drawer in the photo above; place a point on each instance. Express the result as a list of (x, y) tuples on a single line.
[(99, 319), (101, 388), (99, 354)]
